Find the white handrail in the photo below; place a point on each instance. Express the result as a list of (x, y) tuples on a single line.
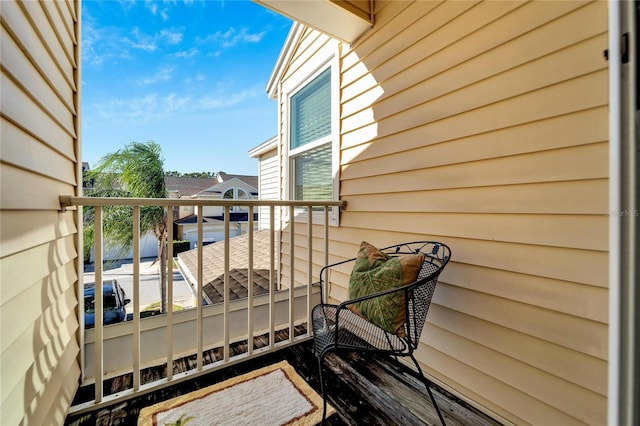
[(71, 201)]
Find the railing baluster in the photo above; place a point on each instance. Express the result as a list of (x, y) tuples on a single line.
[(226, 295), (250, 286), (325, 288), (272, 277), (292, 268), (98, 305), (136, 298), (309, 266), (169, 248), (199, 325)]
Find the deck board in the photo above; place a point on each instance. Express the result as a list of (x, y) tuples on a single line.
[(365, 389)]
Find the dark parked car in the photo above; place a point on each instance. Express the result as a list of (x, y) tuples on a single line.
[(114, 303)]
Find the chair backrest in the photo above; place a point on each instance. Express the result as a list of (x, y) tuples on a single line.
[(418, 294)]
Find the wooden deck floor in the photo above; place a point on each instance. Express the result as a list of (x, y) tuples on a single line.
[(369, 391)]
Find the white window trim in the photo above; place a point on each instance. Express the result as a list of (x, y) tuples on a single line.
[(289, 89)]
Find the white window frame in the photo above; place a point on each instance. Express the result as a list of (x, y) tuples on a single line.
[(236, 196), (290, 88)]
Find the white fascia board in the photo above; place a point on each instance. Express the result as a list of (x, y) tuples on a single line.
[(264, 147), (283, 59)]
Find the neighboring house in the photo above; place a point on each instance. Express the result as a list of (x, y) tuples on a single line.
[(182, 187), (233, 187), (250, 180), (268, 177), (496, 127), (177, 187)]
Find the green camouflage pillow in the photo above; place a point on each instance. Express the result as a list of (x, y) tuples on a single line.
[(375, 271)]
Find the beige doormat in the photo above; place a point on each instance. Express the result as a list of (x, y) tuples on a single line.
[(273, 395)]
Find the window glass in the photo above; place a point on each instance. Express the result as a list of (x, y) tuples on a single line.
[(310, 142), (312, 169), (109, 301), (228, 194), (311, 111), (89, 304)]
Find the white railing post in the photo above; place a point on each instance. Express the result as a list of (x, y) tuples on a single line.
[(292, 268), (272, 278), (325, 288), (199, 297), (169, 248), (98, 304), (136, 298), (250, 286), (309, 266), (225, 296)]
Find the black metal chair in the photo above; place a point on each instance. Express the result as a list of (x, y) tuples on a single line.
[(337, 327)]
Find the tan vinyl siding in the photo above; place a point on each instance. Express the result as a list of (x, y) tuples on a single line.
[(38, 163), (269, 185), (485, 125)]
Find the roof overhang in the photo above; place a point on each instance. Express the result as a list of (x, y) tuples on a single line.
[(338, 18), (264, 147), (283, 59)]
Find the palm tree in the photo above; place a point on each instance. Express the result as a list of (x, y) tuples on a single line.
[(134, 171)]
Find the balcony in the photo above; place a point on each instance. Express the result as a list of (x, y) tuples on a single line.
[(129, 365)]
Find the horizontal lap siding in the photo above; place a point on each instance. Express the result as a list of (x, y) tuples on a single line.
[(39, 137), (484, 125), (269, 185)]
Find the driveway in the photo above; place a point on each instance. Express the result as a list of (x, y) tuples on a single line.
[(149, 282)]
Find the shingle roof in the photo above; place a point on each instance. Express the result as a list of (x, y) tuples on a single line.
[(250, 180), (187, 186), (213, 266)]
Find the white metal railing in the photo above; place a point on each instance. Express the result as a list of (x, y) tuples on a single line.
[(129, 347)]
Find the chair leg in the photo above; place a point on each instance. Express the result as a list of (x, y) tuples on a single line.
[(427, 382), (322, 390)]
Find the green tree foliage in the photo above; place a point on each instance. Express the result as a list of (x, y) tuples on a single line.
[(135, 171), (202, 175)]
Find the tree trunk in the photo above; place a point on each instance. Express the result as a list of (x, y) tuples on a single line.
[(162, 254)]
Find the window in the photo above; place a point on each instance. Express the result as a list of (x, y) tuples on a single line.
[(312, 138), (236, 194)]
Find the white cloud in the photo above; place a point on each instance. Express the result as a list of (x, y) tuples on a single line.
[(149, 108), (155, 106), (152, 6), (226, 100), (174, 102), (186, 54), (152, 42), (163, 74), (232, 37), (127, 5), (101, 44), (171, 36)]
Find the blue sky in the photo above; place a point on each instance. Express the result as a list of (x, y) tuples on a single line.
[(190, 75)]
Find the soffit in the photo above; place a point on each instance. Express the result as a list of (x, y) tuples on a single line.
[(339, 19)]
